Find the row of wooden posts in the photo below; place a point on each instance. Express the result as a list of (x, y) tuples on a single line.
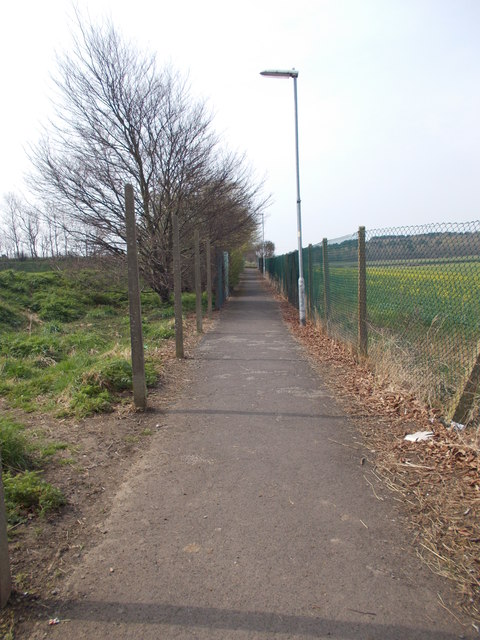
[(136, 338)]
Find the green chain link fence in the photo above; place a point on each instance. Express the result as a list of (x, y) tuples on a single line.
[(407, 297)]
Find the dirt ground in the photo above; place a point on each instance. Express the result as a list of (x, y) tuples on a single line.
[(437, 482)]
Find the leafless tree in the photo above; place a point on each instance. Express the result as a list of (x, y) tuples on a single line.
[(11, 218), (121, 119)]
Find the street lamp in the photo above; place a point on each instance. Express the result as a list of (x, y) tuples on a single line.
[(263, 243), (293, 73)]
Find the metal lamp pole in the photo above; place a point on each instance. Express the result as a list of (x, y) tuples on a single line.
[(263, 243), (293, 73)]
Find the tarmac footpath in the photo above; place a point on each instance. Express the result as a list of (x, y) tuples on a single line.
[(251, 515)]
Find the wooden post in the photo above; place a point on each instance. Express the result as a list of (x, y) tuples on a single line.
[(326, 282), (209, 278), (464, 405), (198, 282), (177, 289), (136, 338), (310, 304), (362, 294), (5, 576)]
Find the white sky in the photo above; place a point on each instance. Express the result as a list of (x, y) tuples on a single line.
[(389, 98)]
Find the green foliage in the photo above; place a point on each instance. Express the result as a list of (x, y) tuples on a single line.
[(9, 316), (159, 330), (62, 307), (90, 398), (24, 346), (27, 493), (236, 265), (16, 452)]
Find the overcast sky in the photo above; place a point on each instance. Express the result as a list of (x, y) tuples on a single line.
[(389, 98)]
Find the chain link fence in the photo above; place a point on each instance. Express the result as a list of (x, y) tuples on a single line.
[(407, 297)]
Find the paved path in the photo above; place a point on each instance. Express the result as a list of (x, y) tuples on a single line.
[(248, 519)]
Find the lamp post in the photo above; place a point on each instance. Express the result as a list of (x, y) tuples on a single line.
[(293, 73), (263, 243)]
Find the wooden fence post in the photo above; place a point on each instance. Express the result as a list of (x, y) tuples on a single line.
[(177, 289), (198, 282), (469, 393), (362, 294), (326, 282), (209, 278), (136, 338), (5, 576)]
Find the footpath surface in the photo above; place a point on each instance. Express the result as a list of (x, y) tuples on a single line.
[(252, 515)]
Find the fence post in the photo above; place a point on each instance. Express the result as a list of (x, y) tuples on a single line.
[(136, 338), (209, 278), (177, 289), (326, 282), (198, 282), (464, 405), (310, 282), (362, 294), (5, 576), (219, 290)]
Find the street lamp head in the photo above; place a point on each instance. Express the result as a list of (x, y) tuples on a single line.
[(277, 73)]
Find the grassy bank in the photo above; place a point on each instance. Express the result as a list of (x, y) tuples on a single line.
[(65, 352)]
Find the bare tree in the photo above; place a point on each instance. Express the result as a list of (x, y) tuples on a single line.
[(12, 211), (29, 224), (121, 119)]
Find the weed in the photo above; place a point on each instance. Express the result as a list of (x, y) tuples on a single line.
[(160, 331), (88, 399), (10, 317), (33, 345), (51, 448), (16, 451), (27, 493)]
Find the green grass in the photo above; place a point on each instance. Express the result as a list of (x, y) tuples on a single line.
[(64, 349), (26, 493), (65, 340)]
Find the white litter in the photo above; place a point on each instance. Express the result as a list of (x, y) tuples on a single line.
[(457, 426), (419, 436)]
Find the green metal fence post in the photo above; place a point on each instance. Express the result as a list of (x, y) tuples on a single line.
[(326, 282), (362, 294)]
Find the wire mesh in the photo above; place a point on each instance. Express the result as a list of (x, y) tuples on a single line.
[(423, 302)]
